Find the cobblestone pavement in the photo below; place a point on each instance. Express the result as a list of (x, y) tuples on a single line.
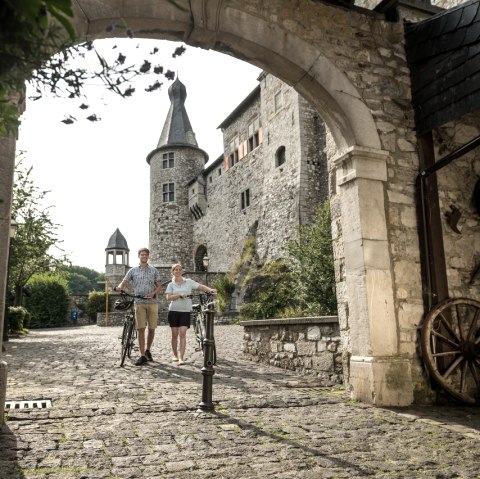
[(142, 422)]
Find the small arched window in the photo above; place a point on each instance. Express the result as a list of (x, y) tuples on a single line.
[(280, 157)]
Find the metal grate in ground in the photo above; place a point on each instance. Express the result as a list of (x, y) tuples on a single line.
[(35, 404)]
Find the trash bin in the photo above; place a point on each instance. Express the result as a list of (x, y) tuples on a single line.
[(73, 315)]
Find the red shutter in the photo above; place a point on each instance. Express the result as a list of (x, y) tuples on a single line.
[(260, 136), (225, 163), (240, 151)]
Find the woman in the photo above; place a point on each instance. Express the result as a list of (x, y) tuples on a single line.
[(180, 309)]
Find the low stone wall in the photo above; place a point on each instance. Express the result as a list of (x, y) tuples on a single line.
[(114, 319), (309, 346)]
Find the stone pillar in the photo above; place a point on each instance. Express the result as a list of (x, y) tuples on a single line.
[(378, 375), (7, 166)]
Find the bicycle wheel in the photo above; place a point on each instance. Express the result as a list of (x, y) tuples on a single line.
[(126, 340), (123, 341), (133, 337), (199, 329), (451, 347)]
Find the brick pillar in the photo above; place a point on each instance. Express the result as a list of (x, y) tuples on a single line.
[(378, 374)]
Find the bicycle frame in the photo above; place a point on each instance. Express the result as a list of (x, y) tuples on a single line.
[(129, 333), (199, 311)]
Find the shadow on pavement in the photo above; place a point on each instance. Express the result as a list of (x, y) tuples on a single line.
[(9, 450)]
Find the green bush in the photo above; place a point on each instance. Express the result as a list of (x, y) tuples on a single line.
[(311, 255), (96, 303), (47, 301), (303, 286), (225, 286), (18, 319), (268, 292)]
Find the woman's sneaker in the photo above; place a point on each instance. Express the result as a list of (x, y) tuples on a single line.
[(141, 360), (148, 355)]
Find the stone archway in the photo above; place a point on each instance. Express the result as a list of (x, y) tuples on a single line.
[(338, 71), (240, 30)]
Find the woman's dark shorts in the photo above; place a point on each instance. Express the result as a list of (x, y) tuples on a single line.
[(178, 318)]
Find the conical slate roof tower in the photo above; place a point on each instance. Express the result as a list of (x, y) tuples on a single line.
[(175, 162), (177, 129)]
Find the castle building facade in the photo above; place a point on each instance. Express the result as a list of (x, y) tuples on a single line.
[(269, 180)]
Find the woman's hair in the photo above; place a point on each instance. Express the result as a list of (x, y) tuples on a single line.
[(143, 249), (175, 266)]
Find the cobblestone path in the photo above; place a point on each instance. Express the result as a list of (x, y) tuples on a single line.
[(143, 422)]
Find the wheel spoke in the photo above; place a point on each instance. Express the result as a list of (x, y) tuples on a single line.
[(453, 366), (474, 372), (437, 335), (446, 323), (450, 345), (446, 353), (472, 331), (459, 322)]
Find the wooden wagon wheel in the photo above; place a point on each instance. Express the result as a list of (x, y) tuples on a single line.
[(451, 347)]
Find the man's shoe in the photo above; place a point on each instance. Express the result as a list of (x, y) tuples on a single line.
[(141, 360), (148, 355)]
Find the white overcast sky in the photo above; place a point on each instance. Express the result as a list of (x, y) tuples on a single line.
[(96, 173)]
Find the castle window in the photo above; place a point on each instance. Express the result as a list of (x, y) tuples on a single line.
[(233, 152), (245, 199), (168, 160), (219, 171), (278, 101), (254, 134), (168, 192), (280, 156)]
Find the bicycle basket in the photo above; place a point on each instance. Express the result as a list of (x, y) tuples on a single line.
[(121, 305)]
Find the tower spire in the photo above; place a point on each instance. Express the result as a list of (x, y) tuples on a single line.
[(177, 129)]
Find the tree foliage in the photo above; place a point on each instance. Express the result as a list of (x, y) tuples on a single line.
[(82, 280), (47, 301), (303, 284), (31, 31), (30, 250), (38, 44), (96, 303), (311, 255)]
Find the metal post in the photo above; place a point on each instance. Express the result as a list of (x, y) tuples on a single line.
[(207, 370)]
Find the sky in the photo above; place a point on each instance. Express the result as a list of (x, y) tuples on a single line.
[(96, 173)]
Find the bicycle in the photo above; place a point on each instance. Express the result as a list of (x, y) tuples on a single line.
[(129, 333), (207, 303)]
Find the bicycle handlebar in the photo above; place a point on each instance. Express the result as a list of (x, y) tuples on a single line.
[(204, 299), (124, 293)]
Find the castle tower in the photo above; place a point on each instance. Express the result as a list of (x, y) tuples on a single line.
[(116, 260), (174, 163)]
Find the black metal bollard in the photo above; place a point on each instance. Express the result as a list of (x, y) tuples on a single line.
[(207, 370)]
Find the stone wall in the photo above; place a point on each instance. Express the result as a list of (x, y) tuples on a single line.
[(281, 196), (309, 346), (170, 222), (114, 319)]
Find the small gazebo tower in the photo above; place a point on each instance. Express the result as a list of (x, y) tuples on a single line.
[(117, 258)]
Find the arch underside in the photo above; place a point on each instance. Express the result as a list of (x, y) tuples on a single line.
[(228, 28)]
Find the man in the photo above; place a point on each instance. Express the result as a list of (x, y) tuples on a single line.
[(146, 283)]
